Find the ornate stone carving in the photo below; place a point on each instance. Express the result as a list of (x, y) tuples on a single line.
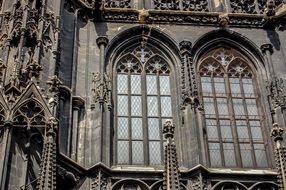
[(198, 182), (101, 88), (239, 6), (280, 155), (171, 173), (117, 3), (99, 182), (47, 179), (194, 5), (166, 4), (276, 92)]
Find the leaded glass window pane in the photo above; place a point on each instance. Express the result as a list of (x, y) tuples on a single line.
[(260, 154), (122, 105), (248, 87), (155, 152), (246, 155), (164, 85), (206, 85), (251, 107), (235, 87), (151, 81), (122, 128), (229, 156), (137, 152), (152, 102), (238, 108), (123, 152), (226, 133), (166, 108), (219, 86), (256, 131), (136, 106), (154, 129), (242, 130), (137, 130), (222, 106), (135, 84), (215, 157), (212, 129), (209, 106), (122, 84)]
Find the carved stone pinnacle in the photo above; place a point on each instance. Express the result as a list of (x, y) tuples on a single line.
[(168, 129), (277, 132)]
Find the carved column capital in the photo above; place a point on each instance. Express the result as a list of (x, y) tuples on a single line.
[(102, 40), (77, 102), (266, 47), (185, 47)]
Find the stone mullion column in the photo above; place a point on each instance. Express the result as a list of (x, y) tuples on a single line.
[(77, 104), (102, 42), (5, 151)]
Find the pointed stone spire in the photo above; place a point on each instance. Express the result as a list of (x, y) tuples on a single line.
[(47, 179), (171, 173), (280, 155)]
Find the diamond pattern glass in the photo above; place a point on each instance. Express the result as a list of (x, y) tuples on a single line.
[(166, 106), (151, 81), (222, 106), (219, 86), (164, 85), (242, 130), (122, 105), (152, 102), (248, 87), (212, 129), (155, 153), (153, 129), (215, 156), (235, 87), (238, 108), (251, 107), (123, 152), (225, 129), (137, 152), (245, 151), (135, 84), (256, 131), (206, 86), (136, 106), (260, 155), (122, 84), (209, 106), (137, 132), (229, 156), (122, 131)]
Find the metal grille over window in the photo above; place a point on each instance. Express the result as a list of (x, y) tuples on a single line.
[(232, 118), (143, 104)]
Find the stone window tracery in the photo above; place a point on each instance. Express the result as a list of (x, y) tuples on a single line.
[(143, 103), (233, 120)]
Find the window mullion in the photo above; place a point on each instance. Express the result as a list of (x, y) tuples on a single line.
[(145, 118), (129, 119), (217, 120), (232, 122)]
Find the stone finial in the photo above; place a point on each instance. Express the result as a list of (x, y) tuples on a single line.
[(277, 132), (169, 129), (266, 47), (54, 84), (270, 8)]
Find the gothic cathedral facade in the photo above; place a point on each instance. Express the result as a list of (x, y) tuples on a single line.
[(142, 94)]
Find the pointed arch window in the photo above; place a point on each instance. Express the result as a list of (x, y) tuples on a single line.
[(143, 98), (233, 120)]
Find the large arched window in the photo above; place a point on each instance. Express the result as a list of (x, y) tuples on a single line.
[(143, 97), (232, 112)]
